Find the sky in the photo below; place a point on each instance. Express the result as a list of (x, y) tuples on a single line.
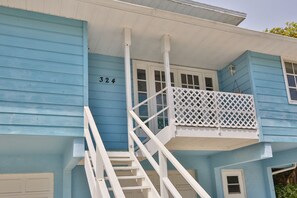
[(261, 14)]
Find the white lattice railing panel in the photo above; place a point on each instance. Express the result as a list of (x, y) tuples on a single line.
[(214, 109)]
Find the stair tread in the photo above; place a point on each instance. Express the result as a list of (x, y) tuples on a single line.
[(120, 159), (128, 177), (134, 188), (125, 167), (118, 154)]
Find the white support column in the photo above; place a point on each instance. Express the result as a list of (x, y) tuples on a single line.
[(169, 96), (163, 174), (127, 37)]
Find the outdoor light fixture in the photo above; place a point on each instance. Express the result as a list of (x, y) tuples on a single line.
[(232, 69)]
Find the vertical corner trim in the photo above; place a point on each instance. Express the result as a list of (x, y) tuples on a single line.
[(85, 63)]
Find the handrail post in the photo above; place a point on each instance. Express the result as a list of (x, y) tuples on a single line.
[(163, 174), (127, 40), (169, 94)]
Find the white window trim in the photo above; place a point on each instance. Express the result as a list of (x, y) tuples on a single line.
[(225, 173), (283, 59)]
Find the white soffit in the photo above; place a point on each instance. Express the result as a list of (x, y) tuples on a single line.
[(194, 42), (195, 9)]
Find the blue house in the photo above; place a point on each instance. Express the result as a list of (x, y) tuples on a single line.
[(154, 98)]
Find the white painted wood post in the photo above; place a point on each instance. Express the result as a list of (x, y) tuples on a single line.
[(163, 174), (169, 96), (127, 38)]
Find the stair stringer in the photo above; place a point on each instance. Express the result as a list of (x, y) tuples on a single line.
[(165, 135)]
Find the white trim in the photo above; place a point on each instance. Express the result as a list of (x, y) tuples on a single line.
[(283, 60), (233, 172)]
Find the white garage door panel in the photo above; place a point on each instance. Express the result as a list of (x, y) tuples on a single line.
[(39, 185), (8, 185)]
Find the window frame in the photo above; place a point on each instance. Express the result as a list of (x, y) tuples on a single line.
[(241, 181), (283, 60)]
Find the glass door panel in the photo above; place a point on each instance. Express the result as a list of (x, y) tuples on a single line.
[(161, 102)]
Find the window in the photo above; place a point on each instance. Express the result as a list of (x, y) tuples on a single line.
[(233, 184), (290, 72)]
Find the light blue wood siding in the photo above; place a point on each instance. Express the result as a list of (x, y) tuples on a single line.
[(107, 101), (278, 117), (41, 74), (241, 80)]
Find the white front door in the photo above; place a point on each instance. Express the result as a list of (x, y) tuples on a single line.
[(233, 184), (37, 185)]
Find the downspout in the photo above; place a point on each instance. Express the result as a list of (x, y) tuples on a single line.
[(285, 170)]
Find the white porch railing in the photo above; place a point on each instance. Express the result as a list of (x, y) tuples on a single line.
[(213, 109), (97, 162)]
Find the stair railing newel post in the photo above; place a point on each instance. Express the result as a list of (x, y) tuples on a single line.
[(127, 42), (163, 174), (165, 49)]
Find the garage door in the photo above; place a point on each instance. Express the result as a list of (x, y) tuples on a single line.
[(177, 180), (27, 185)]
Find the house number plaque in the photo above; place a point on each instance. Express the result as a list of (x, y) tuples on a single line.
[(107, 80)]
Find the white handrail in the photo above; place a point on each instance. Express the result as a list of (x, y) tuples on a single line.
[(115, 185), (199, 190), (149, 98), (152, 117)]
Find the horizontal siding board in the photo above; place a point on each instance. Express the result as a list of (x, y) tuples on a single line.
[(40, 98), (34, 44), (40, 87), (41, 78), (110, 96), (271, 91), (106, 72), (40, 55), (36, 65), (270, 106), (267, 83), (108, 101), (41, 130), (279, 123), (9, 29), (101, 87), (40, 25), (107, 104), (41, 109), (277, 115), (106, 65), (40, 120), (280, 131)]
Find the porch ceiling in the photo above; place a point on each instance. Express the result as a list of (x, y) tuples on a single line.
[(195, 42)]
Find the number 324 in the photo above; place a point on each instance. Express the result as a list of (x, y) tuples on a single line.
[(106, 80)]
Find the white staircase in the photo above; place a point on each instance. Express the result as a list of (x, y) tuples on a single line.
[(133, 179), (120, 175)]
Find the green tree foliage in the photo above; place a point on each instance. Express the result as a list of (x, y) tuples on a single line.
[(288, 191), (290, 30)]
